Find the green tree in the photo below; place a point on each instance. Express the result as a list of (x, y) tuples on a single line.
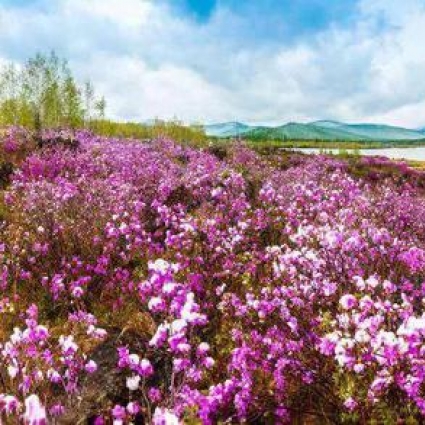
[(100, 108), (88, 102), (9, 93), (44, 93), (74, 113)]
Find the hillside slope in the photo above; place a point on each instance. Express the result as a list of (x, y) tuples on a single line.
[(323, 130)]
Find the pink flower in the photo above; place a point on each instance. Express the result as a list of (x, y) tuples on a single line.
[(8, 404), (145, 368), (119, 414), (90, 366), (154, 394), (350, 403), (133, 408)]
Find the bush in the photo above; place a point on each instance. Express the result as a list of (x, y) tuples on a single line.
[(228, 286)]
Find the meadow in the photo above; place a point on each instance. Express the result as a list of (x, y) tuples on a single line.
[(161, 283)]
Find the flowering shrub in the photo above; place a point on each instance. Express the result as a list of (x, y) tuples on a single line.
[(251, 288)]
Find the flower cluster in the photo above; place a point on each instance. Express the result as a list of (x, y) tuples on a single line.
[(37, 363), (247, 287)]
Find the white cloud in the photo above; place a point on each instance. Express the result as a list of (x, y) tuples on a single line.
[(166, 91), (410, 115), (124, 13), (150, 62)]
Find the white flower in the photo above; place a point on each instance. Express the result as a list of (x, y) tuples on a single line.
[(169, 287), (358, 368), (164, 416), (133, 382), (134, 359), (348, 301), (35, 413), (187, 228), (178, 325), (187, 312), (359, 282), (216, 192), (202, 349), (67, 343), (372, 281), (16, 336), (331, 239), (159, 265), (12, 371), (154, 303), (160, 334), (361, 336)]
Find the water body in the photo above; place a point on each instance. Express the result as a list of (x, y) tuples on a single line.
[(410, 154)]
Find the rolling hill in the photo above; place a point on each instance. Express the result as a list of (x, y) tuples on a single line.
[(323, 130), (373, 131), (227, 129), (299, 131)]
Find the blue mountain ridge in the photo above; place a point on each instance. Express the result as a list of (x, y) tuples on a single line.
[(323, 129), (227, 129)]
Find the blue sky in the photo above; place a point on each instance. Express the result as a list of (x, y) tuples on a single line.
[(273, 21), (298, 16), (202, 10), (259, 61)]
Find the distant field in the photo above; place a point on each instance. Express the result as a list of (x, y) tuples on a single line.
[(323, 144)]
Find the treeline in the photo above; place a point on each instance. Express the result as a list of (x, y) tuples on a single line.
[(175, 130), (43, 93)]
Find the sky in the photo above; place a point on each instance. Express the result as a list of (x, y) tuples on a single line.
[(255, 61)]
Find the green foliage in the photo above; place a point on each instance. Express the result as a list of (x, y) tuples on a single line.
[(44, 93), (175, 130)]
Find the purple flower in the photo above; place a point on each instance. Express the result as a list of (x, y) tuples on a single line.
[(350, 403), (90, 366)]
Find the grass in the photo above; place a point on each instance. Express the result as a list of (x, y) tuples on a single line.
[(418, 165), (325, 144)]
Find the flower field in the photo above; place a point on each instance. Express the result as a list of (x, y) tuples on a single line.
[(162, 284)]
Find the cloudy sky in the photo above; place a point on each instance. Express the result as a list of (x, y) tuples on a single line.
[(258, 61)]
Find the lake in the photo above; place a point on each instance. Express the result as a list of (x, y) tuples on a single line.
[(411, 154)]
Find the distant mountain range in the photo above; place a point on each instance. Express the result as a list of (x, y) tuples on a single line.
[(323, 130)]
